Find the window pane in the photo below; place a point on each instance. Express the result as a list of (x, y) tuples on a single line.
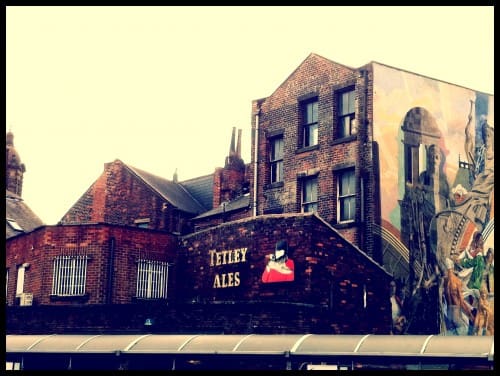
[(313, 112), (276, 172), (276, 149), (350, 106), (309, 123), (347, 183), (309, 194), (20, 280), (311, 135), (347, 209), (345, 114), (276, 158), (346, 196), (345, 127), (347, 103)]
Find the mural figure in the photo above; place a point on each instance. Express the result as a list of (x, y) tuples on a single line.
[(398, 317), (468, 209), (458, 313), (279, 267), (484, 320), (446, 280), (469, 143)]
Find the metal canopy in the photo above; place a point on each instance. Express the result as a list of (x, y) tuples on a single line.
[(244, 344)]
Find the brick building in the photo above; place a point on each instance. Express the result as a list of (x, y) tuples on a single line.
[(349, 186)]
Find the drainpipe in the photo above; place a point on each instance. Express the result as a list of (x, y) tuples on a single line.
[(255, 163), (109, 294)]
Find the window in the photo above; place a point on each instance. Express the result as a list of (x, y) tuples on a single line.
[(152, 279), (20, 279), (142, 223), (346, 196), (416, 163), (346, 113), (12, 223), (309, 194), (276, 159), (409, 163), (69, 276), (309, 110)]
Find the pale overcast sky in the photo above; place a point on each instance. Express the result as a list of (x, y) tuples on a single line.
[(161, 88)]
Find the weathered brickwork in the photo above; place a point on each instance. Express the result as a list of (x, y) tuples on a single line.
[(280, 114), (103, 244), (332, 279), (330, 273), (119, 197)]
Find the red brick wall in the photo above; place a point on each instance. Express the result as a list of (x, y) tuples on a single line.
[(42, 246), (329, 272), (280, 112), (120, 197), (325, 296)]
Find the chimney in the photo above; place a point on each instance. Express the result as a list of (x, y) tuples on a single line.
[(238, 145)]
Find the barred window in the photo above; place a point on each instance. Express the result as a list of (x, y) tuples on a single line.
[(152, 279), (69, 275)]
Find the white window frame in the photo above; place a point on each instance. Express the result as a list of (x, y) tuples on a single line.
[(6, 283), (69, 275), (13, 223), (276, 159), (347, 195), (21, 273), (309, 194), (152, 279), (142, 222)]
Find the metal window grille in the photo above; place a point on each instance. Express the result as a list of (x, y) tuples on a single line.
[(70, 274), (152, 279)]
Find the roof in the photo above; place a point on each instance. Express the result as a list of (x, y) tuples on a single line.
[(19, 217), (262, 344), (174, 193), (201, 188), (238, 203), (311, 56)]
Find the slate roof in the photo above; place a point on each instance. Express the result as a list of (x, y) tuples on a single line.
[(236, 204), (22, 219), (202, 188), (174, 193)]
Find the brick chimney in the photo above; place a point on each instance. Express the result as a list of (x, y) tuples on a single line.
[(229, 181)]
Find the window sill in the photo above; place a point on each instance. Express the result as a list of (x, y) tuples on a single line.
[(343, 225), (278, 184), (307, 148), (73, 298), (344, 139)]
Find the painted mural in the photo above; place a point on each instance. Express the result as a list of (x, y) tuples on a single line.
[(438, 197)]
